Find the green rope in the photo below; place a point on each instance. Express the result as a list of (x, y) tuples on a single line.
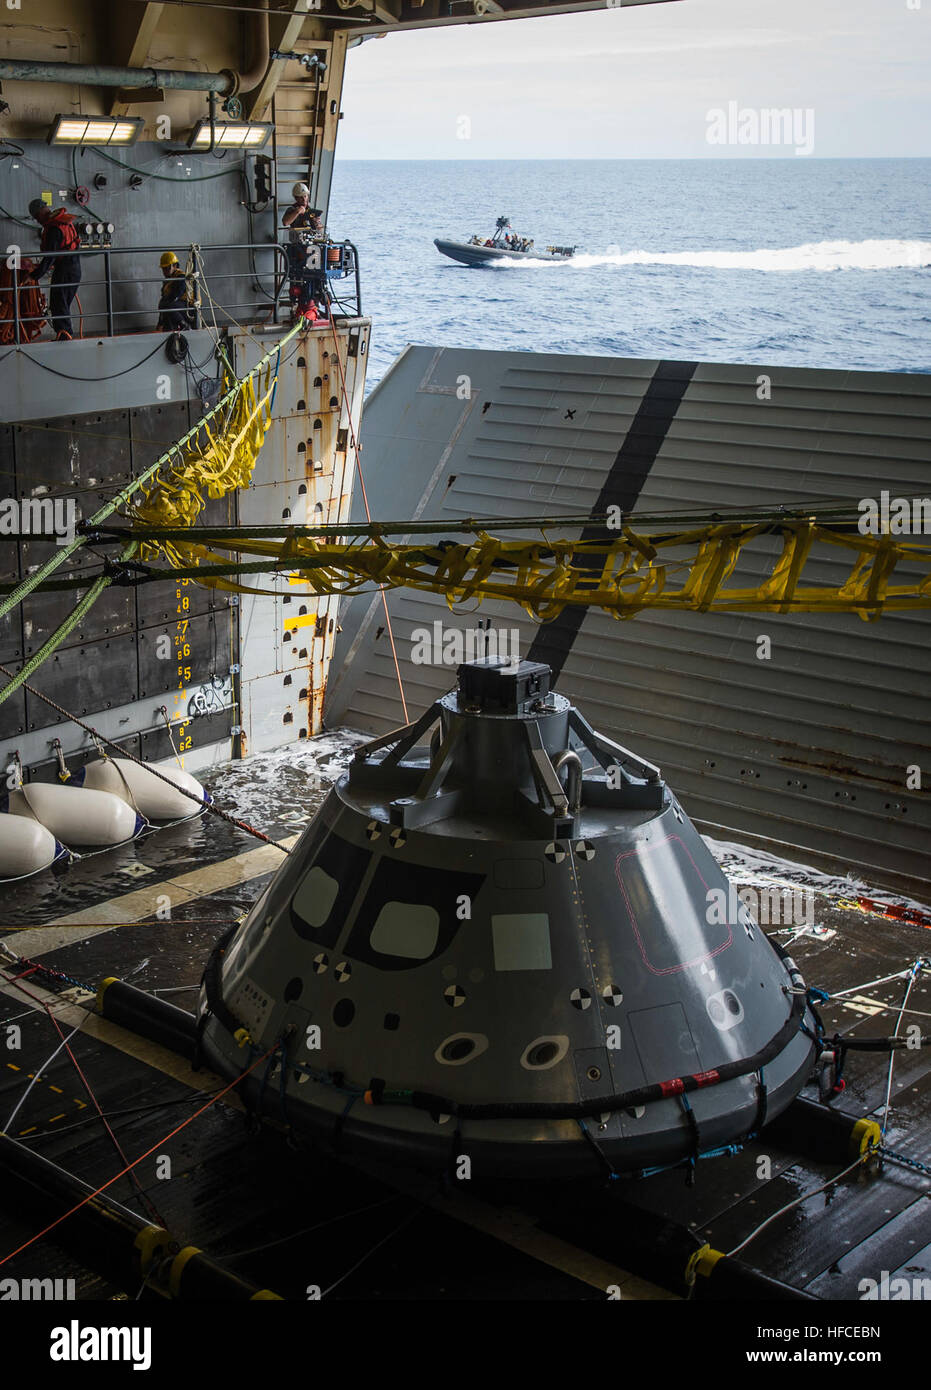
[(840, 518), (56, 561), (26, 587), (153, 575), (60, 633)]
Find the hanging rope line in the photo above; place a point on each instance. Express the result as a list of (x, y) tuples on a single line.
[(217, 1095), (365, 500), (62, 631), (212, 467), (125, 753), (66, 1045), (623, 575), (199, 461), (887, 1103), (55, 562)]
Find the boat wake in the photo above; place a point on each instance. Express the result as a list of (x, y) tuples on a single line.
[(889, 254)]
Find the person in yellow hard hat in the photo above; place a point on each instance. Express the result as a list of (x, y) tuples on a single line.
[(174, 306)]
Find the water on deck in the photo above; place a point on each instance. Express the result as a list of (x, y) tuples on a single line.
[(289, 1218)]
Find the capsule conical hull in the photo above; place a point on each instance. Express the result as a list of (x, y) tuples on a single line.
[(436, 981)]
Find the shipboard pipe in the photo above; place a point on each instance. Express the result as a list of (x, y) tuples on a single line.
[(97, 75), (259, 50), (658, 1248), (829, 1136), (148, 1015)]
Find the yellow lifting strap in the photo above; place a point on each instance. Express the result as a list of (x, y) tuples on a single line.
[(623, 575), (220, 465)]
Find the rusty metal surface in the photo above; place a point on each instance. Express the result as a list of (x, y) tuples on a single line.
[(305, 474)]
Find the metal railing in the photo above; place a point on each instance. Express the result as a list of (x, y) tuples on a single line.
[(117, 302)]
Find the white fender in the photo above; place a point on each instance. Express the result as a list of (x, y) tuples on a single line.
[(153, 798), (75, 815), (25, 846)]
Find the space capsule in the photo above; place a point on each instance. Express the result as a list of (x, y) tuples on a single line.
[(496, 939)]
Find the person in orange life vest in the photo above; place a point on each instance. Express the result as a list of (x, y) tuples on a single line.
[(59, 233)]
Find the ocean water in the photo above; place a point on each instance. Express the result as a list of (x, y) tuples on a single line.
[(792, 261)]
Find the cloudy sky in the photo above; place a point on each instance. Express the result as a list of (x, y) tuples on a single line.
[(639, 82)]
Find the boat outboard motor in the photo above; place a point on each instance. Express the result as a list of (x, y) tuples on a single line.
[(502, 936)]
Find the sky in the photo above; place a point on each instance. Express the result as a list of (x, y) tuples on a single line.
[(646, 81)]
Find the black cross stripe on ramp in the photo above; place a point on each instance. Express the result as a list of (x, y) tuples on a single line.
[(553, 641)]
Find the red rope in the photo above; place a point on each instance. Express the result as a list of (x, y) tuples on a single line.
[(365, 500), (125, 753), (123, 1171), (153, 1210)]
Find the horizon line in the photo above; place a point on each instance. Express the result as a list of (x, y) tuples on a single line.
[(618, 159)]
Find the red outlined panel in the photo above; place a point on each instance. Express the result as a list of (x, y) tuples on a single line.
[(666, 900)]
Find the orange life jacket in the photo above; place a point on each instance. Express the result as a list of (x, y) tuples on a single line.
[(63, 220)]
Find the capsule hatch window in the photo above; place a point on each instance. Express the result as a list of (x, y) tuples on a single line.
[(324, 895), (315, 897), (408, 915), (410, 930)]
